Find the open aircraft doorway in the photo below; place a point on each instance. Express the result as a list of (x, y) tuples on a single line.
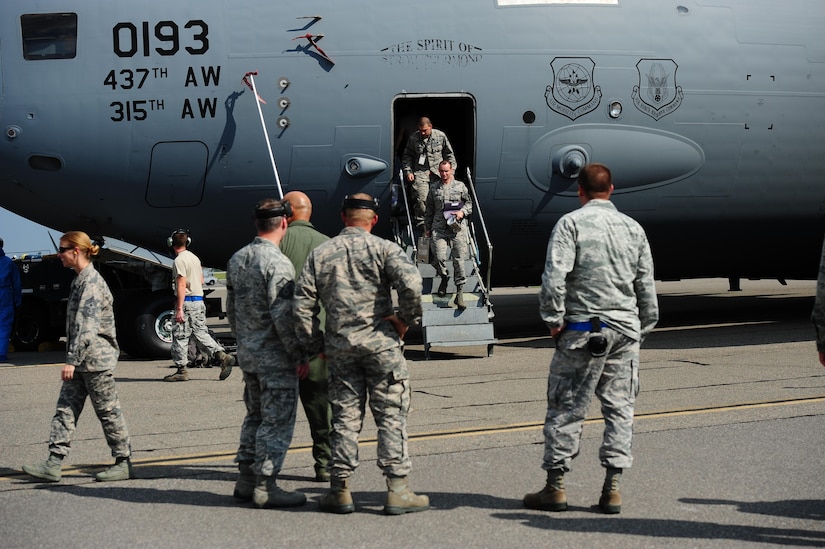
[(452, 113)]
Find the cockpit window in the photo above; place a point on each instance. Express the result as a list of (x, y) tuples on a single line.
[(49, 36)]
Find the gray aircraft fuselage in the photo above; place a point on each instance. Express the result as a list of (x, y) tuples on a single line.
[(132, 119)]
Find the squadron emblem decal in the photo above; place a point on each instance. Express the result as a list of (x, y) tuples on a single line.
[(657, 94), (573, 92)]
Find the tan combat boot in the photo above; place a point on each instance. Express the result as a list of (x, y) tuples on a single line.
[(245, 485), (442, 288), (459, 298), (226, 361), (267, 495), (400, 499), (181, 375), (121, 470), (50, 470), (611, 501), (339, 499), (552, 497)]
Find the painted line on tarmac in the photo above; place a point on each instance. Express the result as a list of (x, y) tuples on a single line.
[(520, 427), (82, 469), (208, 457)]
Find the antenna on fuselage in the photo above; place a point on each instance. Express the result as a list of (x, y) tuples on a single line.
[(250, 82)]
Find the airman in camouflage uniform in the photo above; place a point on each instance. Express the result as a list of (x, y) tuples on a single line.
[(351, 275), (260, 286), (818, 315), (91, 356), (190, 311), (449, 198), (598, 297), (425, 149)]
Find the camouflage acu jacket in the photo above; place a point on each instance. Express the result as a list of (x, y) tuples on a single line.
[(599, 264), (259, 290), (440, 194), (435, 148), (91, 342), (351, 275)]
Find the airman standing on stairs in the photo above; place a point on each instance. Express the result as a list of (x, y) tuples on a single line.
[(424, 150), (448, 205)]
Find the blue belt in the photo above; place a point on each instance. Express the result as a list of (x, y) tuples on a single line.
[(193, 298), (581, 326)]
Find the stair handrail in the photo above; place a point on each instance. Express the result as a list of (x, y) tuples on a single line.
[(477, 214), (410, 233)]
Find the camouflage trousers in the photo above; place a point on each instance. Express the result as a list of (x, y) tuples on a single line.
[(194, 325), (384, 380), (419, 191), (574, 377), (445, 241), (100, 388), (271, 400)]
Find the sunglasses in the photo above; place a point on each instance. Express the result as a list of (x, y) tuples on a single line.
[(63, 250)]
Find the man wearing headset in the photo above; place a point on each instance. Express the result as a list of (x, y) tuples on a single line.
[(190, 311), (259, 289), (352, 276)]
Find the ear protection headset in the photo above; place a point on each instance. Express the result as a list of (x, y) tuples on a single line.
[(179, 231), (359, 204), (285, 210)]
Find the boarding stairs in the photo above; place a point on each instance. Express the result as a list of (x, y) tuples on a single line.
[(442, 323)]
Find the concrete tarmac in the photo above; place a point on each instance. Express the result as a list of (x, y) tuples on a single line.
[(729, 440)]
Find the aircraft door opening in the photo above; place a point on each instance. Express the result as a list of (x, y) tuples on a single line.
[(454, 114)]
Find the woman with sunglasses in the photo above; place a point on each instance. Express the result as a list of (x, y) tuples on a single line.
[(91, 355)]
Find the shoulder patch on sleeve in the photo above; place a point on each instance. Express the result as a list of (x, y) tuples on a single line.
[(288, 290)]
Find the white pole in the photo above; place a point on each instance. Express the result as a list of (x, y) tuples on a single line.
[(258, 102)]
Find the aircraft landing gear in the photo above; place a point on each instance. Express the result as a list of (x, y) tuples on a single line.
[(146, 322)]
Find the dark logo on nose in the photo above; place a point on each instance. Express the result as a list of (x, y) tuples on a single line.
[(573, 92)]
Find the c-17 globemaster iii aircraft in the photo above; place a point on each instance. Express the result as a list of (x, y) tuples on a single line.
[(132, 119)]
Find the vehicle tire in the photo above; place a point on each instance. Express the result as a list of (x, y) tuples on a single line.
[(32, 326), (149, 325)]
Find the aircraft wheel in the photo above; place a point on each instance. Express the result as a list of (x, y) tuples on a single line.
[(31, 326), (149, 326)]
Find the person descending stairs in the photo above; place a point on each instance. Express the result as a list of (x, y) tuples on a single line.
[(456, 305)]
